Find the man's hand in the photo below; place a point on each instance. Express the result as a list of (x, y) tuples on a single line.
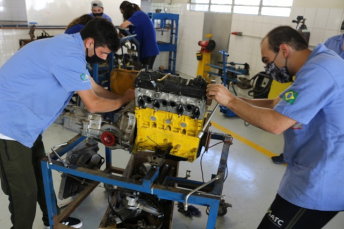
[(343, 46), (129, 95), (220, 94)]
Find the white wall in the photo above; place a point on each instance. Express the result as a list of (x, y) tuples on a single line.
[(190, 32), (319, 3), (12, 10), (62, 12), (9, 40), (321, 22)]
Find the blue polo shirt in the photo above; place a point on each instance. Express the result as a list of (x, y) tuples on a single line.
[(335, 43), (74, 29), (143, 27), (314, 146), (37, 82)]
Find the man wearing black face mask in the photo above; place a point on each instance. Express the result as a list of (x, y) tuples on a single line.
[(36, 83), (98, 10), (310, 114)]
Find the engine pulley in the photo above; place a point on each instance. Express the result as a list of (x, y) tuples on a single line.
[(107, 138)]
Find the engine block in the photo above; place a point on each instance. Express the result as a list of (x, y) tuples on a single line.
[(166, 117), (169, 112)]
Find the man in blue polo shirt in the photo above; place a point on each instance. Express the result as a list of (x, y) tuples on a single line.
[(310, 114), (98, 10), (336, 43), (36, 84)]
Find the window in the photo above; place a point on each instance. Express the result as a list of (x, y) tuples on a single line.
[(276, 7), (280, 8), (223, 6)]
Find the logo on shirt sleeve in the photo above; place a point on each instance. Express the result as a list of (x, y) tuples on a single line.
[(290, 96), (84, 77)]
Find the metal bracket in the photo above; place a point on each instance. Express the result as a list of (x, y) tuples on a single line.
[(156, 161), (53, 149), (200, 134), (196, 189)]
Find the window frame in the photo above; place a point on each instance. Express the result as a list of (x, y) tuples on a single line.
[(233, 5)]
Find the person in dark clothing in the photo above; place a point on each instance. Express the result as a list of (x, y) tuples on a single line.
[(140, 24)]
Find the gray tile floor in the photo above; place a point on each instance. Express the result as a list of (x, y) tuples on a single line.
[(250, 187)]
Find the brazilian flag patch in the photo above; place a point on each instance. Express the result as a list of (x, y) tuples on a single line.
[(290, 96)]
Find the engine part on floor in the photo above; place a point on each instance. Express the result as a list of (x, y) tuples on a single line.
[(84, 155), (139, 210), (192, 211)]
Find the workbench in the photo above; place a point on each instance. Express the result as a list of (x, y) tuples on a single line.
[(209, 196)]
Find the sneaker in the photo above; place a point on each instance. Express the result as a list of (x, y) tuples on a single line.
[(278, 159), (70, 221)]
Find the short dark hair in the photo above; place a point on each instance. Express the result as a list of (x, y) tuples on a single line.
[(285, 35), (128, 9), (103, 32)]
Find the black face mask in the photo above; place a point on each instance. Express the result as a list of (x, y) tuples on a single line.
[(94, 59), (279, 74), (98, 14)]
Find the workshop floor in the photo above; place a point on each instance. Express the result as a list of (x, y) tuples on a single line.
[(250, 187)]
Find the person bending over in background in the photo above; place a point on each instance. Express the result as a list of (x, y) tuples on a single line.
[(309, 113), (98, 10), (78, 23), (140, 24), (335, 43), (36, 83)]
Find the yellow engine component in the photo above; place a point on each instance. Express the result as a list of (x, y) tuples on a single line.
[(164, 130)]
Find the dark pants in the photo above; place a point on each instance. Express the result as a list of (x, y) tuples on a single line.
[(22, 181), (285, 215), (148, 61)]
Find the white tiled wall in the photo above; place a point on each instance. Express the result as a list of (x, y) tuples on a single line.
[(9, 40), (321, 22), (189, 33), (12, 10)]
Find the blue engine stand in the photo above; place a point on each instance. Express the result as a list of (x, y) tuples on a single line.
[(211, 199)]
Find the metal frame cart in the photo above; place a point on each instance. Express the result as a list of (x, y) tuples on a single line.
[(208, 193), (170, 47)]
